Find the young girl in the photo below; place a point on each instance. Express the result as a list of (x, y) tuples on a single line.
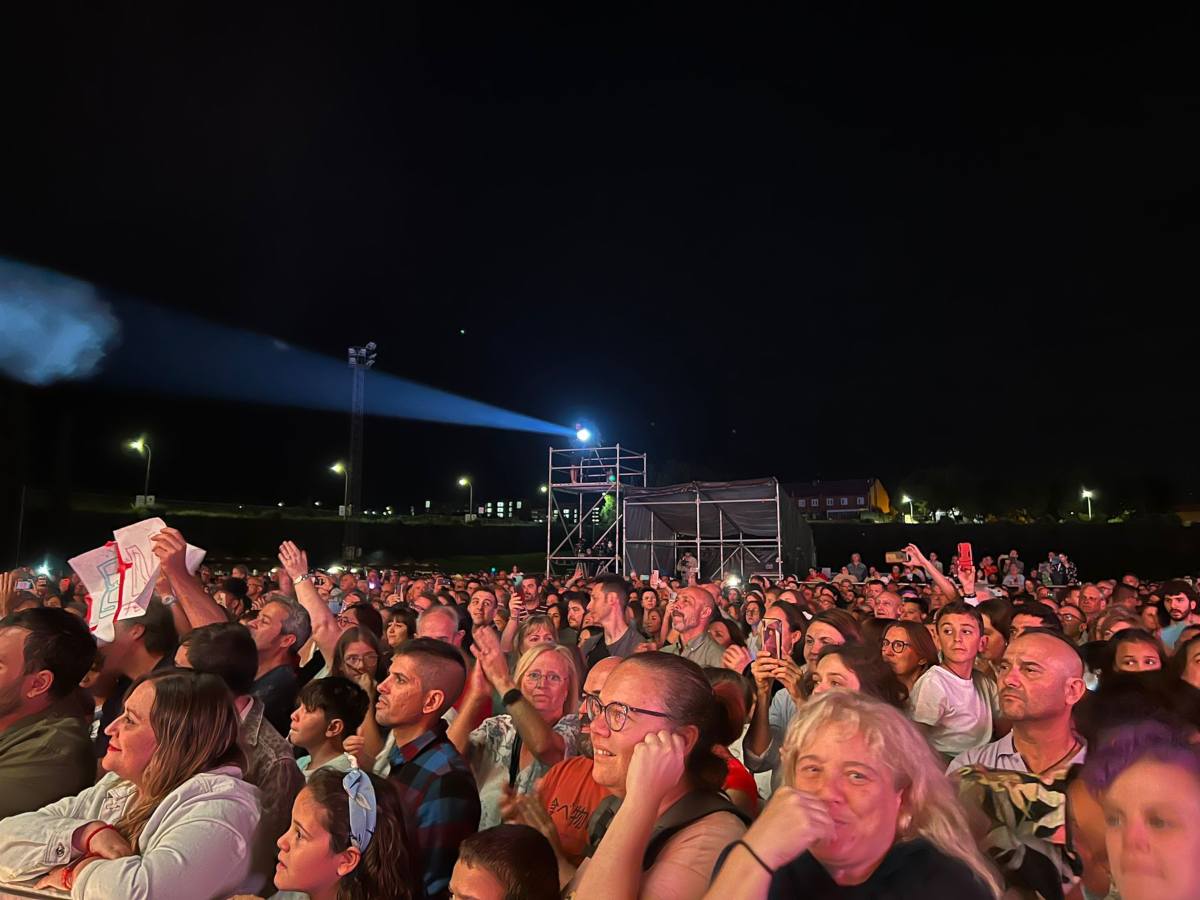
[(346, 842)]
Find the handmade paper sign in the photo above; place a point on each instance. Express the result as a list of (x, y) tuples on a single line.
[(120, 576)]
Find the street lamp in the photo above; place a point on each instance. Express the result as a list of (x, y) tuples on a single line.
[(1088, 495), (466, 482), (908, 500), (142, 446), (339, 468)]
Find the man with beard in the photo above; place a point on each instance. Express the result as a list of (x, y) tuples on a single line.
[(691, 614), (568, 794), (45, 749), (1179, 601)]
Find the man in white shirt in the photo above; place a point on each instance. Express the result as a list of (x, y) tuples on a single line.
[(1040, 680), (954, 703)]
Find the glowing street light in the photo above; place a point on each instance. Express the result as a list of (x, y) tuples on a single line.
[(466, 482), (340, 468), (142, 446), (1088, 495), (907, 499)]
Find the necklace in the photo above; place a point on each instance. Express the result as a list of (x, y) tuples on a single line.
[(1075, 747)]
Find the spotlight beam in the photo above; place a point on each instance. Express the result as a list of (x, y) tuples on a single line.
[(175, 353)]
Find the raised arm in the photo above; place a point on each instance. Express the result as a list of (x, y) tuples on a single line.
[(170, 549), (948, 587), (324, 623), (536, 733), (516, 606)]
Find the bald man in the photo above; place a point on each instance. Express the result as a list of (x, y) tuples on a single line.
[(691, 615), (1040, 679), (888, 605)]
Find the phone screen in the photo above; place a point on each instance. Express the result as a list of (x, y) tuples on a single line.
[(772, 639)]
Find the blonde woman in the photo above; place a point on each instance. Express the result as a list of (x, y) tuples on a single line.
[(540, 729), (172, 818), (867, 810)]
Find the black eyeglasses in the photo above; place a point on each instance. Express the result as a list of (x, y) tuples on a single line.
[(615, 714), (897, 646)]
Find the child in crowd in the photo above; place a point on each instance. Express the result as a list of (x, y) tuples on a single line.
[(327, 712)]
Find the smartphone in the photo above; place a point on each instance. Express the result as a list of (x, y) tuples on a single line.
[(773, 638), (893, 557), (654, 577), (24, 585), (966, 560)]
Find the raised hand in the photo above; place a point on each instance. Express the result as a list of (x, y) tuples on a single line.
[(656, 766), (492, 661), (170, 549), (788, 826), (293, 559), (916, 557), (736, 658), (763, 671), (356, 746)]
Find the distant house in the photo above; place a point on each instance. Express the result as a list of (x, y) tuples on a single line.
[(846, 499)]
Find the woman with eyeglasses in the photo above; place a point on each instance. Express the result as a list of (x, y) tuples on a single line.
[(909, 651), (540, 728), (653, 728)]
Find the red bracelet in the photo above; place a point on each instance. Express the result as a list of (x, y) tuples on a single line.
[(69, 872), (87, 847)]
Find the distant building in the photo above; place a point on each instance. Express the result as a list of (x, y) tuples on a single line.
[(501, 509), (846, 499)]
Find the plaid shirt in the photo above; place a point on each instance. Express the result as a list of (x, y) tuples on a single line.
[(439, 795)]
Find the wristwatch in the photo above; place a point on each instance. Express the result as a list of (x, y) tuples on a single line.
[(304, 577), (511, 697)]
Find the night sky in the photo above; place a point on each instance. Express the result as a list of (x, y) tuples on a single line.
[(826, 244)]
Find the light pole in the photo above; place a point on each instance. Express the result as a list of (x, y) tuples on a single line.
[(908, 500), (142, 446), (1087, 495), (340, 469), (466, 482)]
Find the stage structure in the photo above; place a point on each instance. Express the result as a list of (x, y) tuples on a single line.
[(585, 487), (738, 528)]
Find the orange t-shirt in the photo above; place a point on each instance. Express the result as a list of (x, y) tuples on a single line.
[(570, 795)]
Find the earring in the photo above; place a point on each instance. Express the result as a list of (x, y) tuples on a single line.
[(903, 823)]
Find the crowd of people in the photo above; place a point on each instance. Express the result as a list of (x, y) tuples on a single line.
[(925, 730)]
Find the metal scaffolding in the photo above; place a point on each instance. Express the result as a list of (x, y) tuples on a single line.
[(732, 528), (582, 528)]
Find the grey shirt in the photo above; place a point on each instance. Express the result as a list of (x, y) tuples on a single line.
[(1003, 756), (703, 651)]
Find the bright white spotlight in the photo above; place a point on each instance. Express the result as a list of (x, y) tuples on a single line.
[(44, 569), (583, 435)]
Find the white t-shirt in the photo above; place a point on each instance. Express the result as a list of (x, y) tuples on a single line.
[(958, 709)]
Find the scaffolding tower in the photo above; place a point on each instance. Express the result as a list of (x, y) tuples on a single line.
[(582, 527)]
